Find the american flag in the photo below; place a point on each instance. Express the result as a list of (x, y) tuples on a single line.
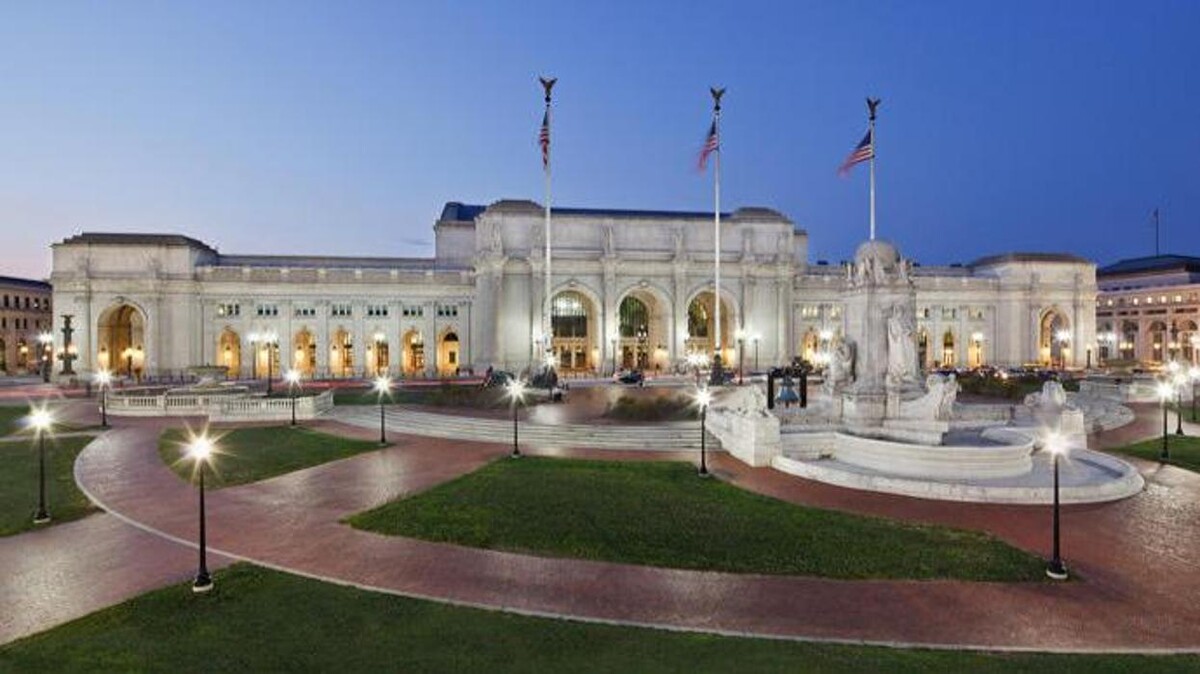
[(544, 139), (862, 152), (711, 145)]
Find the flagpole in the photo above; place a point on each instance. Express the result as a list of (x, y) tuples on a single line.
[(872, 104), (1156, 233), (716, 94), (547, 84)]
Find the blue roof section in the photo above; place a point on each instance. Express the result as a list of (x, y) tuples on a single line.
[(455, 211), (459, 212), (1153, 263), (24, 283)]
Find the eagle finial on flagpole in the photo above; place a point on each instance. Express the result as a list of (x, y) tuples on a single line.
[(547, 84), (872, 105), (717, 93)]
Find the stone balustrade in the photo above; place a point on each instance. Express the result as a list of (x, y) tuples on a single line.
[(218, 406)]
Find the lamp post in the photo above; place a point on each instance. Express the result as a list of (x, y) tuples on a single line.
[(755, 338), (383, 386), (200, 449), (740, 336), (516, 393), (270, 339), (1056, 569), (293, 381), (46, 339), (703, 398), (103, 379), (1194, 375), (40, 420), (1164, 394), (1180, 381), (254, 349)]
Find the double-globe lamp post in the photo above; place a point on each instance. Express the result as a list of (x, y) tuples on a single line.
[(1180, 381), (383, 387), (703, 398), (515, 389), (103, 380), (201, 449), (1055, 568), (40, 420)]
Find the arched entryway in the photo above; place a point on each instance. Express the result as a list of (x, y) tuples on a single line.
[(304, 353), (120, 340), (1187, 339), (1054, 339), (1127, 346), (1158, 341), (810, 344), (642, 336), (414, 352), (702, 329), (448, 353), (924, 353), (975, 350), (573, 325), (229, 353), (948, 343), (377, 355), (341, 354)]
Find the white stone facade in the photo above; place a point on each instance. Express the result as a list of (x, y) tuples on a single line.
[(631, 288)]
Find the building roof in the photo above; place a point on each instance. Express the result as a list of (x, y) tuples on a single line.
[(458, 212), (1152, 264), (30, 284), (134, 239), (1029, 257), (335, 262)]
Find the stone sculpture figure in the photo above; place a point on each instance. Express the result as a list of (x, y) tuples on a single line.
[(678, 243), (496, 245), (841, 366), (902, 346), (610, 249)]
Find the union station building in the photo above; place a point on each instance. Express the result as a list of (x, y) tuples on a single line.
[(628, 289)]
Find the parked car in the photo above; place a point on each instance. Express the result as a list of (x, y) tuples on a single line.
[(631, 377)]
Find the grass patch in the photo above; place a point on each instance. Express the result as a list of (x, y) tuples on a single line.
[(12, 419), (1184, 450), (445, 395), (662, 514), (252, 454), (1010, 388), (261, 620), (19, 483), (656, 408)]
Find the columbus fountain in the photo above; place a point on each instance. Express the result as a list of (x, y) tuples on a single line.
[(879, 426)]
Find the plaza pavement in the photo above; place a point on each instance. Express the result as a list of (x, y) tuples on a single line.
[(1138, 560)]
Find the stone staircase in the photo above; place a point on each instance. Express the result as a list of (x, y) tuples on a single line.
[(400, 419)]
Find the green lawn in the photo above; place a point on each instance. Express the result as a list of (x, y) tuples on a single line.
[(1184, 450), (252, 454), (662, 514), (261, 620), (12, 419), (19, 483)]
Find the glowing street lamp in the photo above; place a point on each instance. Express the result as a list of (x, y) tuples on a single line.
[(515, 388), (1179, 380), (270, 340), (293, 381), (103, 380), (383, 387), (703, 398), (46, 339), (755, 337), (40, 420), (200, 450), (1057, 448), (1164, 394), (740, 336)]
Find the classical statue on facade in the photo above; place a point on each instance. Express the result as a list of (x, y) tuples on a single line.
[(610, 247), (841, 366), (496, 243), (678, 242), (902, 345)]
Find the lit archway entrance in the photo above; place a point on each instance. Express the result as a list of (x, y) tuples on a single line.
[(702, 331), (1129, 336), (120, 343), (448, 354), (571, 320), (378, 353), (948, 349), (341, 354), (923, 353), (975, 350), (810, 344), (304, 353), (1054, 343), (414, 352), (229, 346), (1158, 341), (641, 332), (1187, 341)]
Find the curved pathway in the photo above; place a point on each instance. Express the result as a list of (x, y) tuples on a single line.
[(1138, 557)]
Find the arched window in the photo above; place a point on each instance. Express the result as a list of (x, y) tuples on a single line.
[(697, 319), (568, 316), (635, 318)]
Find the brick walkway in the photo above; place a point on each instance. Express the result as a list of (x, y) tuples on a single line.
[(1138, 557)]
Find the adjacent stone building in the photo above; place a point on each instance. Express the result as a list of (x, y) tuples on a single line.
[(1148, 309), (628, 289), (25, 323)]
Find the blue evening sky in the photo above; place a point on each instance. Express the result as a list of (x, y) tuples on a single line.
[(342, 127)]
